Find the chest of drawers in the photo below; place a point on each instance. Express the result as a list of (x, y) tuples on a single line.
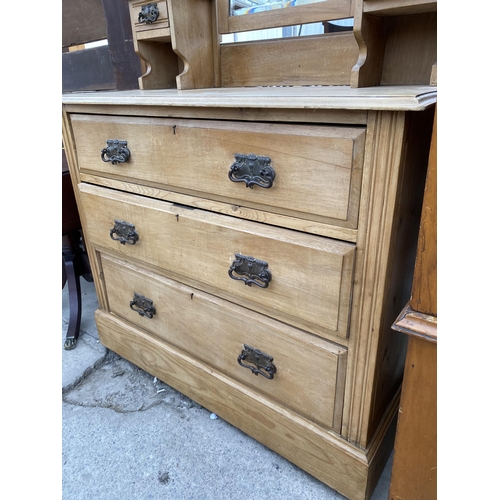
[(252, 247)]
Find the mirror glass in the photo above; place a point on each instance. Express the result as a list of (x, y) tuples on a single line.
[(241, 7)]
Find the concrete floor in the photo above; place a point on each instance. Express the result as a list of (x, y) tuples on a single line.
[(128, 436)]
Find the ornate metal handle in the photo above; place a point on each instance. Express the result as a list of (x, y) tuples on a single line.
[(252, 170), (253, 271), (125, 232), (149, 13), (144, 306), (261, 360), (115, 152)]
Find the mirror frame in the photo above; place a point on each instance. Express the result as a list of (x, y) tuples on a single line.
[(328, 10)]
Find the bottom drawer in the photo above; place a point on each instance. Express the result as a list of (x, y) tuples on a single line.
[(305, 373)]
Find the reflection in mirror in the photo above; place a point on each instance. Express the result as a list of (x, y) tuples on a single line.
[(291, 31), (241, 7)]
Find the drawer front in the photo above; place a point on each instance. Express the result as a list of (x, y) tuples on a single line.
[(305, 372), (147, 16), (307, 280), (317, 169)]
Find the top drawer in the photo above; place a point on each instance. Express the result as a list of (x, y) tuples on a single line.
[(148, 17), (317, 168)]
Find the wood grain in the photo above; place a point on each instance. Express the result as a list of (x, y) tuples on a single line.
[(390, 98), (192, 41), (273, 219), (215, 331), (311, 275), (414, 471), (318, 169), (327, 10), (325, 60)]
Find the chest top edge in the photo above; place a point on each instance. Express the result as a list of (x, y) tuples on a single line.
[(394, 98)]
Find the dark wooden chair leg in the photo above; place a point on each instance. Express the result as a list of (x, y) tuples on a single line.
[(71, 257)]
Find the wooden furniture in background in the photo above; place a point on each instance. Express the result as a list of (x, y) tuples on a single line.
[(414, 471), (74, 256), (108, 67)]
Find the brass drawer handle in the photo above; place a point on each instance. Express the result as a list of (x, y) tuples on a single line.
[(143, 306), (261, 360), (149, 13), (253, 170), (253, 271), (115, 152), (125, 232)]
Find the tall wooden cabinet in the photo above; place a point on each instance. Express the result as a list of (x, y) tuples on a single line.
[(252, 246), (414, 472)]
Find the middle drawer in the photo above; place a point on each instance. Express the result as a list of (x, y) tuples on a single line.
[(301, 279)]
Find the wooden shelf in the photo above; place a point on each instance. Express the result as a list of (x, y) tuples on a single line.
[(398, 7)]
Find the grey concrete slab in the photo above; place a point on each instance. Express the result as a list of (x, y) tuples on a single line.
[(128, 436)]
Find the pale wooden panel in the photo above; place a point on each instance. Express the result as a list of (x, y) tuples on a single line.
[(192, 41), (311, 275), (332, 97), (215, 331), (327, 457), (370, 34), (325, 60), (318, 169), (273, 219), (336, 116), (329, 10)]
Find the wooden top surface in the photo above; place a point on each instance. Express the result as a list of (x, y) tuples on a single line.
[(404, 97)]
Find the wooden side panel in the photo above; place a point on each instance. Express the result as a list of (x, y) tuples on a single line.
[(392, 345), (424, 290), (192, 41), (324, 60), (395, 166), (411, 49), (414, 471), (370, 33)]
